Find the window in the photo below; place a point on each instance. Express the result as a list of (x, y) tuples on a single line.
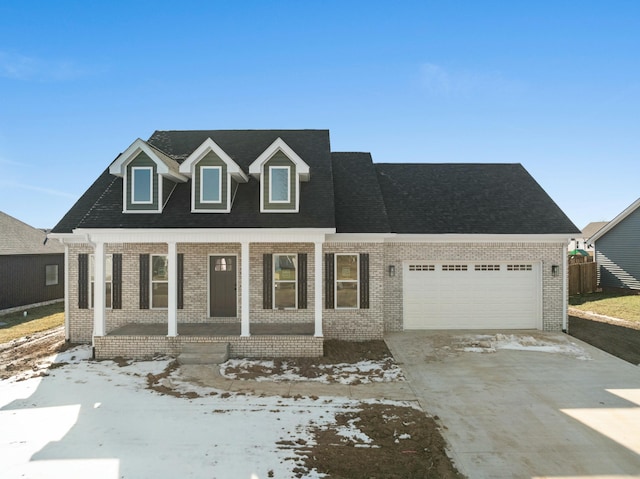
[(487, 267), (454, 267), (210, 184), (346, 280), (159, 281), (519, 267), (142, 185), (284, 281), (279, 184), (108, 277), (51, 274)]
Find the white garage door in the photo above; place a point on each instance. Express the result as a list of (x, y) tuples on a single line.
[(472, 295)]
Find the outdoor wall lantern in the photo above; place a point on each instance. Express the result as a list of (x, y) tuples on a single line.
[(555, 269), (392, 270)]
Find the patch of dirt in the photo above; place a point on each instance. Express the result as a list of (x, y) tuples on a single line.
[(335, 352), (392, 442), (162, 384), (27, 353)]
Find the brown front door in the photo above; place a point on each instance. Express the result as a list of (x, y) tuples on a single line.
[(222, 286)]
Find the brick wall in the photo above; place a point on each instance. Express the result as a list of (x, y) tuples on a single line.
[(145, 347), (546, 253), (359, 324)]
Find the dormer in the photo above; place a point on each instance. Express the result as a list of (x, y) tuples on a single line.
[(280, 171), (149, 177), (214, 178)]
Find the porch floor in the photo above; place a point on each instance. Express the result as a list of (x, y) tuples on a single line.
[(216, 329)]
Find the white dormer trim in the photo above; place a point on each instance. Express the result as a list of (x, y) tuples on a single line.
[(187, 167), (302, 169), (167, 167), (256, 169)]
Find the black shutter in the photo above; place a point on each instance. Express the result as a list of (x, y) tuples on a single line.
[(144, 281), (364, 280), (328, 281), (83, 281), (180, 272), (116, 281), (302, 280), (267, 280)]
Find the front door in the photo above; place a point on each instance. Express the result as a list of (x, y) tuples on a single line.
[(222, 286)]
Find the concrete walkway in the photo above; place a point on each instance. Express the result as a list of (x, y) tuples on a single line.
[(526, 414), (209, 376)]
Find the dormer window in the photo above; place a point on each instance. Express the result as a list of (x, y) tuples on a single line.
[(149, 176), (142, 185), (214, 178), (279, 184), (280, 171), (211, 184)]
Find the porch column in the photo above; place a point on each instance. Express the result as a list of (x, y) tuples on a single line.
[(99, 290), (67, 332), (244, 286), (318, 288), (172, 300)]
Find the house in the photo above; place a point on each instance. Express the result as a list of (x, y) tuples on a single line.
[(617, 247), (581, 241), (31, 267), (268, 241)]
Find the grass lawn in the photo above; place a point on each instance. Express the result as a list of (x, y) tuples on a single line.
[(37, 319), (609, 304)]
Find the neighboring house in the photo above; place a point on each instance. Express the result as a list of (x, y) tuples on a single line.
[(582, 242), (31, 271), (268, 241), (617, 247)]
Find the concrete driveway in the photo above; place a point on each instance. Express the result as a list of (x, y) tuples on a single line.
[(554, 407)]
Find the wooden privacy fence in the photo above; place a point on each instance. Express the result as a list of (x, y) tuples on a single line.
[(582, 278)]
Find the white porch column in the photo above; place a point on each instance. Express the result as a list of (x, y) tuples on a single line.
[(172, 300), (99, 290), (67, 332), (244, 325), (318, 288)]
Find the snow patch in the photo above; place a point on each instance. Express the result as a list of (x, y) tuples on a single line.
[(482, 343)]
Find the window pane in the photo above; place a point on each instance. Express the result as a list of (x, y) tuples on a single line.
[(159, 268), (279, 184), (160, 295), (51, 274), (142, 185), (284, 267), (347, 267), (107, 298), (210, 184), (108, 267), (347, 295), (285, 295)]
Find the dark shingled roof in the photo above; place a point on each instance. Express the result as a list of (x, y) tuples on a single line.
[(468, 198), (347, 191), (101, 205), (359, 204)]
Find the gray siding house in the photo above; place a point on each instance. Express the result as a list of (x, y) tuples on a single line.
[(617, 247), (269, 242), (31, 271)]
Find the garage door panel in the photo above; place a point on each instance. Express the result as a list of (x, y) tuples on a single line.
[(472, 296)]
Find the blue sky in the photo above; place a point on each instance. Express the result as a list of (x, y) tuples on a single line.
[(552, 85)]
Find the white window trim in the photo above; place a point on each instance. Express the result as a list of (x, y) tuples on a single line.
[(295, 280), (151, 281), (288, 169), (336, 281), (219, 200), (46, 280), (133, 185), (92, 260)]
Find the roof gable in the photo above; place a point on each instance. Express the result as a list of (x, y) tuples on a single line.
[(302, 169), (615, 221), (167, 167), (186, 167)]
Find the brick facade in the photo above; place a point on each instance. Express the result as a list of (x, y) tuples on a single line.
[(385, 293)]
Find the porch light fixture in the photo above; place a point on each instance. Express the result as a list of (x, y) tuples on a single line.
[(392, 270), (555, 269)]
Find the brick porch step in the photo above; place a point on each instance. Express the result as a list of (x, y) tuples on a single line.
[(203, 353)]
